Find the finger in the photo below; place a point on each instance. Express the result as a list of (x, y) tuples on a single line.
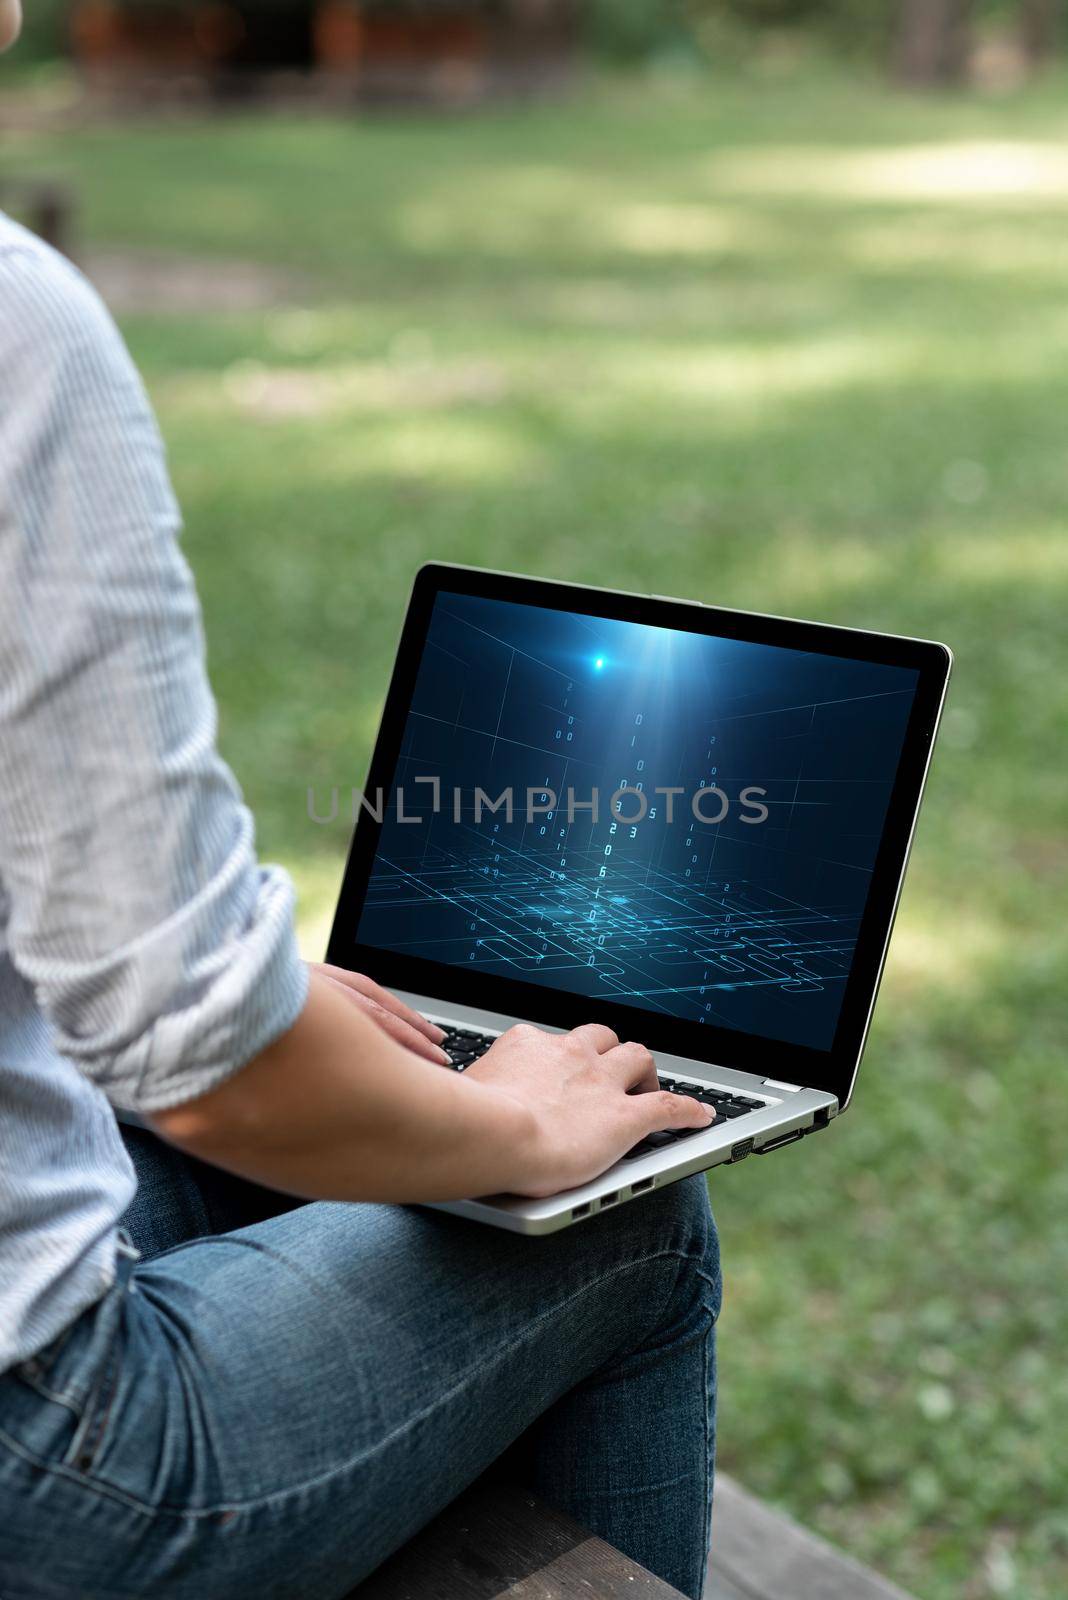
[(405, 1034), (635, 1066), (595, 1035), (655, 1112), (361, 984), (395, 1026)]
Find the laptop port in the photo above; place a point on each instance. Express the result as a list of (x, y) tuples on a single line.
[(641, 1186), (777, 1144), (581, 1211), (609, 1199)]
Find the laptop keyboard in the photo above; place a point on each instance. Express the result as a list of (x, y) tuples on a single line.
[(464, 1045), (728, 1104)]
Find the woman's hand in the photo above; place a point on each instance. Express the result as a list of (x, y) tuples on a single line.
[(335, 1109), (591, 1099), (391, 1014)]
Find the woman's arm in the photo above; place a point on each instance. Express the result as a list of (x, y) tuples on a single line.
[(335, 1110), (161, 952)]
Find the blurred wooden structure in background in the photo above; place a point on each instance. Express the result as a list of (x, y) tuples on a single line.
[(436, 52), (937, 44)]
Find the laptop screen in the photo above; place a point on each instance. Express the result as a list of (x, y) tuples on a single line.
[(677, 822)]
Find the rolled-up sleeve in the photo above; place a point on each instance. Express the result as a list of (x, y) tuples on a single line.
[(163, 956)]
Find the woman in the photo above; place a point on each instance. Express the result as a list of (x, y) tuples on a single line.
[(218, 1375)]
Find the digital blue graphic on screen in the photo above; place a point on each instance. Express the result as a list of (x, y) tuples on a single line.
[(735, 900)]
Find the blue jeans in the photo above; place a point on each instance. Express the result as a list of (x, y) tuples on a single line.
[(277, 1396)]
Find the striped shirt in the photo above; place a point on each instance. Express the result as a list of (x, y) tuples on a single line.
[(144, 955)]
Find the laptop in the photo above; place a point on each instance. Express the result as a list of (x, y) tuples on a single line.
[(685, 822)]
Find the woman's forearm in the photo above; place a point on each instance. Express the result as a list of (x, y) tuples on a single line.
[(336, 1110)]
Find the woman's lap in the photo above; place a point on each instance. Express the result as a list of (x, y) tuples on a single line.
[(290, 1401)]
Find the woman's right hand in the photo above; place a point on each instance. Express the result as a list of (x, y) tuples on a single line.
[(589, 1098), (337, 1109)]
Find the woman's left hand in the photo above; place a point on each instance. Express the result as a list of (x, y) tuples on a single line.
[(391, 1014)]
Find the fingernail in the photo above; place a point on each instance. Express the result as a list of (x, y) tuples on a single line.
[(443, 1059), (438, 1033)]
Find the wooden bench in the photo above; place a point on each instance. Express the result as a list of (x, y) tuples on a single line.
[(758, 1554), (498, 1542)]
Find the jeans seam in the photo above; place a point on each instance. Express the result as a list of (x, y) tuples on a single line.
[(709, 1466), (111, 1491), (87, 1439)]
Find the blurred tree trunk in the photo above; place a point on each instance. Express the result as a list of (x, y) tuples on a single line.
[(933, 38), (1039, 28)]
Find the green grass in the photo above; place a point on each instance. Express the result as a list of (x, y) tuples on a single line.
[(790, 345)]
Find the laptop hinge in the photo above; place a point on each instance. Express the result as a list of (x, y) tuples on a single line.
[(773, 1083)]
